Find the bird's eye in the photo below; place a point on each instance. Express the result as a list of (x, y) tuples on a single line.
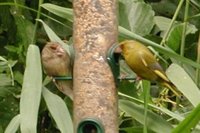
[(122, 46)]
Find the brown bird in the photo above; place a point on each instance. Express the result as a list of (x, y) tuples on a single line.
[(56, 62)]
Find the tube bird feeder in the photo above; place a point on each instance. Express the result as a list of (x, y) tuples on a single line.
[(95, 95)]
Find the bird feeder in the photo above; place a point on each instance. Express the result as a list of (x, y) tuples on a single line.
[(95, 96)]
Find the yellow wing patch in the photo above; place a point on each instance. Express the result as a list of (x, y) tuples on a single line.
[(144, 62), (161, 75)]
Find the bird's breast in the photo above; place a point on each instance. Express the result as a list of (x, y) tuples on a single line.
[(136, 64)]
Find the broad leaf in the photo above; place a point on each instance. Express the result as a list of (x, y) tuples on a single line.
[(184, 83), (13, 125), (31, 91), (135, 16), (162, 109), (175, 35), (59, 111), (154, 122), (65, 13)]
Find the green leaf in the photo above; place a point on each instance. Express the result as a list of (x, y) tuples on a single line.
[(175, 35), (66, 13), (162, 23), (128, 88), (166, 7), (154, 122), (59, 111), (13, 125), (146, 88), (196, 3), (3, 59), (9, 104), (162, 109), (137, 17), (184, 83), (31, 91), (5, 80), (189, 122), (24, 32), (7, 23), (25, 29)]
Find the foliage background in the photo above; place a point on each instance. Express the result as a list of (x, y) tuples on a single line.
[(157, 21)]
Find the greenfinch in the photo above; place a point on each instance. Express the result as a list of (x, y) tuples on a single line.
[(56, 62), (141, 60)]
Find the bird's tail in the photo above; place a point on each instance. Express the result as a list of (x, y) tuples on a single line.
[(65, 87), (173, 88)]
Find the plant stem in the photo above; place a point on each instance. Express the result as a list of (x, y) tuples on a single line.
[(184, 28), (146, 89), (172, 22), (197, 77), (36, 23)]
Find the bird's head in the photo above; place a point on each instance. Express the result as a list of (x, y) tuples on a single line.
[(53, 47), (55, 59), (127, 45)]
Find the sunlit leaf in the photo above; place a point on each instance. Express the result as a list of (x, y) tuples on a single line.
[(162, 23), (162, 109), (65, 13), (13, 125), (3, 59), (184, 83), (59, 111), (31, 91)]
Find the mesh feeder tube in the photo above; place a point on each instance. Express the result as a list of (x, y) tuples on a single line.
[(95, 95)]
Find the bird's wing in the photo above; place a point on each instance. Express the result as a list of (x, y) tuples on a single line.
[(156, 68), (161, 75)]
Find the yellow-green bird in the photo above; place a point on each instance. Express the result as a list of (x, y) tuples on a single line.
[(56, 62), (141, 60)]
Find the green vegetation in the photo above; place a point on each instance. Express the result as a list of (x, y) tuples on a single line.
[(169, 28)]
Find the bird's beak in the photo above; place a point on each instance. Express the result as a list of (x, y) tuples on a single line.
[(118, 50)]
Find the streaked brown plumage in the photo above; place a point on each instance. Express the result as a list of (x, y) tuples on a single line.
[(56, 62)]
